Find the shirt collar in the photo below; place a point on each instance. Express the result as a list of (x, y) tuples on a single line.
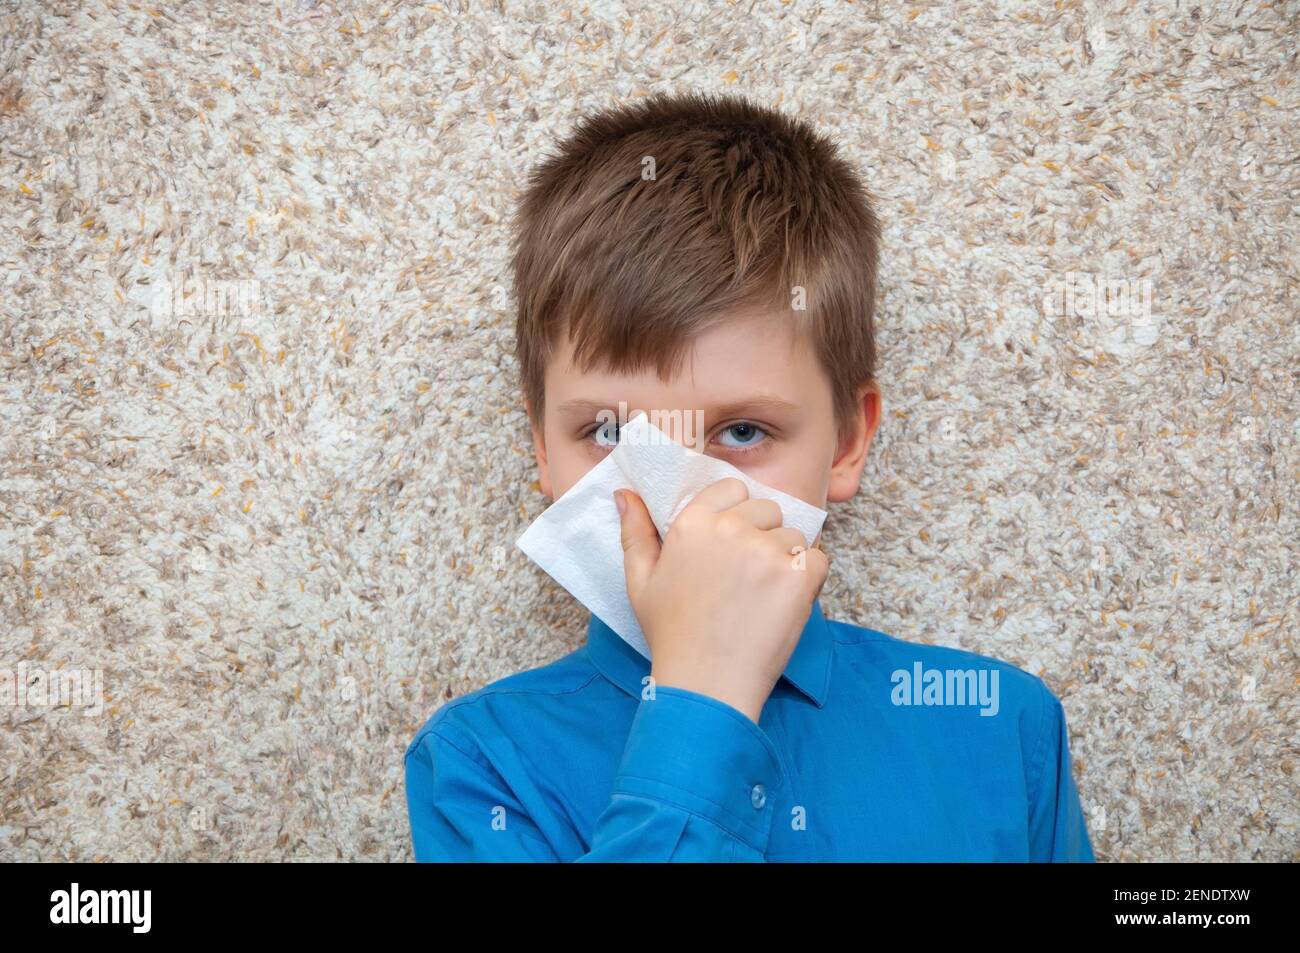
[(809, 668)]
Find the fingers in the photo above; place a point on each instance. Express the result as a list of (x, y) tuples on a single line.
[(787, 538), (731, 495), (640, 540), (804, 558), (745, 513), (720, 496), (818, 568), (738, 517), (763, 514)]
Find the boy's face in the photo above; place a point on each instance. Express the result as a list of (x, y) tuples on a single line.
[(766, 403)]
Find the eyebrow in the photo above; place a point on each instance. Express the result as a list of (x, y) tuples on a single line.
[(756, 403)]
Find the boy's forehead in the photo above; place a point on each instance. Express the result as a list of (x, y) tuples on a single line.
[(746, 356), (762, 342)]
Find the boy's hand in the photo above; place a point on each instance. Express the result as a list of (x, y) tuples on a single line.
[(723, 599)]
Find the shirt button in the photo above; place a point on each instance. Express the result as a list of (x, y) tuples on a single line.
[(758, 797)]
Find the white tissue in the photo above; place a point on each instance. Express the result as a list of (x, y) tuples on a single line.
[(578, 539)]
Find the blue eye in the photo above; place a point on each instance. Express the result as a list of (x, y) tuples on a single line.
[(748, 435), (605, 435)]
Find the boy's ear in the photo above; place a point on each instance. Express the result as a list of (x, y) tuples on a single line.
[(539, 448), (851, 453)]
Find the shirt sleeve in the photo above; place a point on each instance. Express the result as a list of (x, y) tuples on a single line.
[(1057, 831), (695, 783)]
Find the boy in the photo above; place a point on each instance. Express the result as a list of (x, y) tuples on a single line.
[(706, 254)]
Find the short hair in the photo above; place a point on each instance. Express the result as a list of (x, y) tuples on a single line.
[(655, 220)]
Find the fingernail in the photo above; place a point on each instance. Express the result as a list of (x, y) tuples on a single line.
[(620, 502)]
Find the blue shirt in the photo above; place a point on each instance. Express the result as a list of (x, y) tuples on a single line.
[(869, 748)]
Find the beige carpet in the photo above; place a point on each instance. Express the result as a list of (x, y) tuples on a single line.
[(281, 526)]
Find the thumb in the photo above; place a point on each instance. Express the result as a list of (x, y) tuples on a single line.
[(640, 540)]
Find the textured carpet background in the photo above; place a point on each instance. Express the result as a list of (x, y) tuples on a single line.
[(283, 531)]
